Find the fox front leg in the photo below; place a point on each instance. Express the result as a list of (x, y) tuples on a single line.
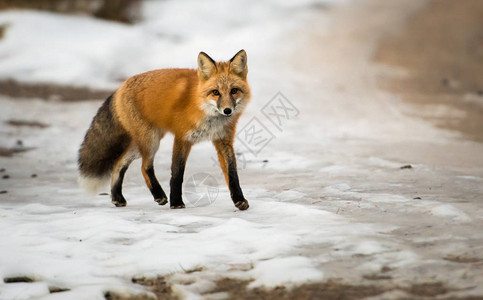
[(181, 150), (227, 159)]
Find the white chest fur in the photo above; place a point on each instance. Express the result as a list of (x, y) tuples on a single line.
[(210, 128)]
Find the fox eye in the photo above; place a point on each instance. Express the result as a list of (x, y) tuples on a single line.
[(216, 92), (234, 91)]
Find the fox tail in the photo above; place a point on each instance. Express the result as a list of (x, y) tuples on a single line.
[(105, 141)]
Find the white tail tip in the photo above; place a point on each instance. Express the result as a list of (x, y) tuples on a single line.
[(92, 185)]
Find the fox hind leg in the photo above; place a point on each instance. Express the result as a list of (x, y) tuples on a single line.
[(148, 149), (153, 184), (117, 177)]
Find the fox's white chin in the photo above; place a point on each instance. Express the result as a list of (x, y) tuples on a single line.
[(210, 107)]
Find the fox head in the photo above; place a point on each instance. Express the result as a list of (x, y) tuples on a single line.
[(223, 85)]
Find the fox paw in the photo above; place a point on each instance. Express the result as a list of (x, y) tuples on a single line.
[(177, 206), (161, 201), (242, 204), (119, 202)]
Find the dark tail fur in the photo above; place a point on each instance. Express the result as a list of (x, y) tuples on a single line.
[(105, 141)]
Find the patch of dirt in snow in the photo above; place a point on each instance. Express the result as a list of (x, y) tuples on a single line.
[(53, 92), (159, 286), (9, 152), (229, 288), (19, 123)]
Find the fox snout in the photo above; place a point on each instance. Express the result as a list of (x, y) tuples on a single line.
[(226, 106), (228, 100)]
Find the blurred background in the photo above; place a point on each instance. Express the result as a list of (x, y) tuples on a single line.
[(126, 11), (77, 50)]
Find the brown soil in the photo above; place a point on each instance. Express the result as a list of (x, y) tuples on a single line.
[(126, 11), (228, 288), (462, 259), (20, 123), (9, 152), (16, 89), (17, 279), (3, 27), (332, 289), (237, 289), (27, 279), (441, 47), (158, 286)]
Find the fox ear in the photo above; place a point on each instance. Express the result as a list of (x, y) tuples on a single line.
[(206, 66), (238, 64)]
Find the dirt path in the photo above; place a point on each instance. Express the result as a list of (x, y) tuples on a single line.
[(368, 57), (440, 51), (50, 92)]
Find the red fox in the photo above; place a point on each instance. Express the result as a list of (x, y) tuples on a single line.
[(194, 105)]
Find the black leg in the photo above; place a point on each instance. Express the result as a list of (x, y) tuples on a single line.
[(116, 189), (156, 189), (227, 158), (176, 183), (181, 151), (234, 185)]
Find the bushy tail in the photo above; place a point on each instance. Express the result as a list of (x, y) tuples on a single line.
[(105, 141)]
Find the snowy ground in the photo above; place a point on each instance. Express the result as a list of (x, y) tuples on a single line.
[(328, 197)]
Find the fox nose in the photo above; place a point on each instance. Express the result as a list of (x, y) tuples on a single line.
[(227, 111)]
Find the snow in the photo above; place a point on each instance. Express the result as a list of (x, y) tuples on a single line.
[(327, 196), (285, 270), (447, 210), (89, 246), (64, 49), (26, 291), (81, 51)]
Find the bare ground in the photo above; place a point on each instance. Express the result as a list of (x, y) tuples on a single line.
[(441, 49), (50, 92), (333, 289)]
